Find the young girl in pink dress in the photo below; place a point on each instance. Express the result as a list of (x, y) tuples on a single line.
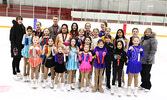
[(35, 61), (85, 57)]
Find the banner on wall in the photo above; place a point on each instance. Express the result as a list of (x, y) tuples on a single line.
[(124, 28), (35, 20)]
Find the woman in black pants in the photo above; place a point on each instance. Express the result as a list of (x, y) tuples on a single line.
[(149, 44), (16, 34)]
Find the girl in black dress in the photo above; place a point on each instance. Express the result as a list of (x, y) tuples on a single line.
[(48, 61), (60, 66)]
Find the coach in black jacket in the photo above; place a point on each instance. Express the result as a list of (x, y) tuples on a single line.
[(16, 34)]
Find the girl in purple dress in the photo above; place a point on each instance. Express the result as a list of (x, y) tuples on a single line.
[(134, 53), (100, 52)]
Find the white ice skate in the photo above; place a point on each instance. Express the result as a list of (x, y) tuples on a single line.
[(129, 91), (87, 89), (62, 86), (44, 83), (32, 83), (28, 78), (52, 84), (146, 90), (140, 88), (112, 89), (25, 79), (135, 91), (35, 84), (82, 89), (73, 86), (55, 88), (68, 87), (19, 76), (15, 78), (119, 91)]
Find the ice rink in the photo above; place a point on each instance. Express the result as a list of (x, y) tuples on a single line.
[(19, 90)]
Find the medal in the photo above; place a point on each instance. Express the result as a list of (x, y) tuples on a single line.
[(45, 42), (55, 31), (26, 41), (55, 57), (75, 57), (34, 53), (64, 58), (82, 55), (138, 57), (87, 57)]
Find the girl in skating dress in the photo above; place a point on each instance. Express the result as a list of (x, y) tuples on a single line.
[(35, 61), (85, 57), (100, 51), (134, 53), (72, 63), (60, 59), (49, 61), (26, 41)]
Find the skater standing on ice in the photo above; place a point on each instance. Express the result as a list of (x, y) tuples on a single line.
[(119, 57), (72, 63), (35, 61), (134, 53), (25, 53), (49, 61), (85, 57), (60, 59), (100, 51)]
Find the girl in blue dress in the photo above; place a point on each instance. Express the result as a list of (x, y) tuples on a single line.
[(26, 41), (134, 53), (72, 63)]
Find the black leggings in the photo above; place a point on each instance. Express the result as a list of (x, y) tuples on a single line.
[(145, 76), (115, 70), (15, 65), (108, 72)]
